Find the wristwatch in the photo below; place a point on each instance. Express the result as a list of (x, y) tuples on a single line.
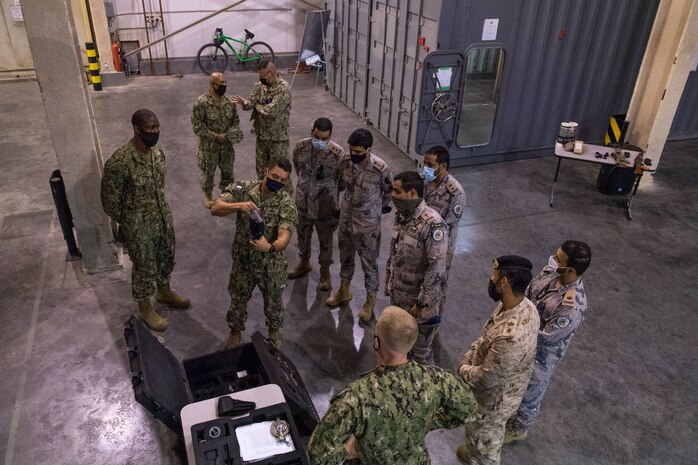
[(271, 249)]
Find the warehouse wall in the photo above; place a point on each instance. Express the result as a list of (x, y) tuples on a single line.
[(276, 22), (15, 56)]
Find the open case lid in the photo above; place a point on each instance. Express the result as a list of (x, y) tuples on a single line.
[(282, 372), (156, 375)]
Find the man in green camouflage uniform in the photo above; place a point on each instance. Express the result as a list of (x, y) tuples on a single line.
[(443, 193), (317, 163), (270, 103), (499, 363), (215, 121), (133, 195), (261, 262), (384, 417), (416, 267)]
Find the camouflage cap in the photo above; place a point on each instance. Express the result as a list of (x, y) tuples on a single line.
[(512, 262)]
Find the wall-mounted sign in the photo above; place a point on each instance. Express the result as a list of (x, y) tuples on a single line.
[(16, 11), (443, 78), (489, 29)]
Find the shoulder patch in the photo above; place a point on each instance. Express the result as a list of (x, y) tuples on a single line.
[(426, 216), (458, 209), (437, 235), (303, 143), (570, 298), (335, 148), (380, 165), (510, 328), (452, 187), (563, 322)]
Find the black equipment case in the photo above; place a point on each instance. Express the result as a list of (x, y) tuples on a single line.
[(214, 441), (615, 180), (164, 386)]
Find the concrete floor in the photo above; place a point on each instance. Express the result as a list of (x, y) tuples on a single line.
[(626, 393)]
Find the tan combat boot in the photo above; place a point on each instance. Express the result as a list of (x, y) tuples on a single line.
[(165, 295), (234, 339), (367, 312), (302, 269), (208, 201), (340, 297), (275, 336), (150, 317), (325, 280)]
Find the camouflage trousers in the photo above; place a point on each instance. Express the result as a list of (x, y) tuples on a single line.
[(422, 349), (530, 404), (367, 245), (255, 269), (153, 261), (265, 150), (208, 160), (484, 436), (325, 234)]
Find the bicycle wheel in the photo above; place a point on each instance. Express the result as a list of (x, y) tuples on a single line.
[(257, 52), (211, 58)]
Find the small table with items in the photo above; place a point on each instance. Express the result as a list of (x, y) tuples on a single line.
[(598, 154)]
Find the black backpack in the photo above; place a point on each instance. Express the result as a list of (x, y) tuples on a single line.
[(615, 180)]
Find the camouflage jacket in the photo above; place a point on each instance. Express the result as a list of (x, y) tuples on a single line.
[(133, 193), (448, 199), (417, 262), (277, 211), (561, 311), (499, 363), (271, 110), (319, 179), (211, 116), (367, 190), (390, 410)]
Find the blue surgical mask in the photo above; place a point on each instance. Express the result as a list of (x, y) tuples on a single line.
[(318, 144), (428, 173), (552, 262)]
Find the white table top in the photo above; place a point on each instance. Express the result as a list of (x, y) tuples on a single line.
[(589, 154), (199, 412)]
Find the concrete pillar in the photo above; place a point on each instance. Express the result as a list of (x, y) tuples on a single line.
[(665, 67), (101, 28), (58, 63)]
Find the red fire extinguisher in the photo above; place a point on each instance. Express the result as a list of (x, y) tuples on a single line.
[(117, 56)]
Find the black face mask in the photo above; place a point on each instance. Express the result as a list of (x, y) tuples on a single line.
[(220, 90), (264, 81), (493, 292), (356, 159), (274, 185), (149, 138)]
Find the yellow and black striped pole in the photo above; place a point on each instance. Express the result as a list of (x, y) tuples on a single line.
[(617, 127), (94, 66)]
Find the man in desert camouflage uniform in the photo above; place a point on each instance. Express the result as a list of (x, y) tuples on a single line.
[(383, 417), (317, 160), (270, 103), (215, 121), (558, 293), (498, 365), (368, 183), (443, 193), (133, 195), (261, 262), (417, 263)]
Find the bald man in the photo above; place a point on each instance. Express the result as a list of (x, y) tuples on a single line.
[(384, 417), (215, 121), (270, 103)]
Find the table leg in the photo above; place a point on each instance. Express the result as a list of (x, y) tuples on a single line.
[(552, 191), (629, 202)]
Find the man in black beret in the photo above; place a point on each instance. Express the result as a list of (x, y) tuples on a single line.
[(499, 363)]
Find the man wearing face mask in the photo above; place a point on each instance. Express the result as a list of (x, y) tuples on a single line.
[(317, 161), (417, 263), (133, 195), (259, 262), (384, 417), (215, 121), (270, 103), (443, 193), (558, 293), (368, 183), (498, 365)]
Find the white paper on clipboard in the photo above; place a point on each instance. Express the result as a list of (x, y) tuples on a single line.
[(443, 78)]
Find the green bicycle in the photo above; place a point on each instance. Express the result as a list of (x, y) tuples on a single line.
[(213, 57)]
